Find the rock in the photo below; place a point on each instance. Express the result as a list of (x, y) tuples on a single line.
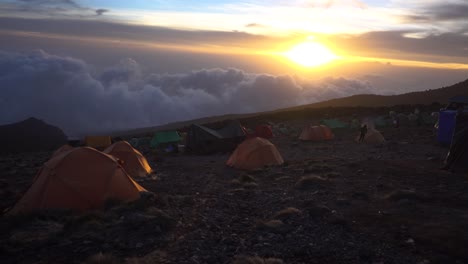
[(310, 181), (287, 213), (275, 226)]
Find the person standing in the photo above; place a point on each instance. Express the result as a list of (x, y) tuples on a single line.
[(362, 136)]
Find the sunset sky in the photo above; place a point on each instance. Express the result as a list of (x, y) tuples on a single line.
[(207, 57)]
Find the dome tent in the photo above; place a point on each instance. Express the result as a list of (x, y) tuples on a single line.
[(80, 179), (255, 153), (316, 133), (134, 163)]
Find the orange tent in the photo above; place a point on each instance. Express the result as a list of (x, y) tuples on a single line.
[(80, 179), (316, 133), (62, 149), (373, 136), (98, 142), (255, 153), (134, 162)]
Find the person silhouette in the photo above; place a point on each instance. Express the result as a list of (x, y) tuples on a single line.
[(363, 133)]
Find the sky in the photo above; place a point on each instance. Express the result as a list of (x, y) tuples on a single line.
[(91, 66)]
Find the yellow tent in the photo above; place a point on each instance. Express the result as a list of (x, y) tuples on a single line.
[(98, 142), (134, 162)]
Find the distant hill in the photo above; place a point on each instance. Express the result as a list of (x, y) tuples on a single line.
[(30, 135), (427, 97)]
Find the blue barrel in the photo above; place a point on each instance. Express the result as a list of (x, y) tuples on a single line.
[(447, 120)]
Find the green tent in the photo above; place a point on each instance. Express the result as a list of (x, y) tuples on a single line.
[(164, 137), (333, 123)]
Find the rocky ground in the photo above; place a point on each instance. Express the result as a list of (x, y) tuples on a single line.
[(331, 202)]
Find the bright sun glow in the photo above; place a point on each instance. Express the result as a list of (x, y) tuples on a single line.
[(310, 54)]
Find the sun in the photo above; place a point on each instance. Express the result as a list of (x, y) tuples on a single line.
[(310, 54)]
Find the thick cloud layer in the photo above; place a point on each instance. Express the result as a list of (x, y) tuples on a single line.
[(67, 92)]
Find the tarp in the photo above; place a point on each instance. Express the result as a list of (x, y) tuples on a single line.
[(316, 133), (80, 179), (98, 142), (447, 120), (255, 153), (134, 163), (163, 137), (204, 140), (333, 123)]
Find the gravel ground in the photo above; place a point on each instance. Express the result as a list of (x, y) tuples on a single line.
[(331, 202)]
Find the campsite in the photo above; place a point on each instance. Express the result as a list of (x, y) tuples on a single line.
[(323, 198), (234, 132)]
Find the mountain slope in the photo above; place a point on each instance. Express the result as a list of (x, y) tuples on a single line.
[(440, 95), (427, 97)]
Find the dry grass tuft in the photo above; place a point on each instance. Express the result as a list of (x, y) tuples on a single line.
[(406, 194), (246, 178)]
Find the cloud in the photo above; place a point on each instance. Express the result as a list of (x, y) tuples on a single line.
[(101, 11), (50, 8), (67, 92), (441, 12), (255, 25), (430, 46), (68, 3)]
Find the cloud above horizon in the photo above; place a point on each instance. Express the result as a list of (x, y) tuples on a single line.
[(399, 45), (49, 9), (275, 17), (67, 92)]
